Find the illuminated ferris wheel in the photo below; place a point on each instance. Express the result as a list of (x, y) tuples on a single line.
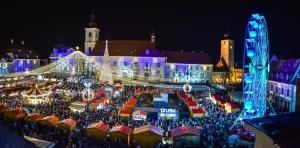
[(255, 67)]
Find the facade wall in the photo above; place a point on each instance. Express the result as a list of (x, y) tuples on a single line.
[(283, 95), (195, 73), (137, 68)]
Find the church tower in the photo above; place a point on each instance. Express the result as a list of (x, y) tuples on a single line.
[(91, 35), (227, 51)]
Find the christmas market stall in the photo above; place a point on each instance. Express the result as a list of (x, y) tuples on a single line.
[(15, 114), (97, 131), (49, 120), (32, 117), (147, 136), (68, 124), (184, 135), (122, 132)]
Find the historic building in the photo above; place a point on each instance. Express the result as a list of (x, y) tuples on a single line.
[(192, 67), (282, 84), (60, 50), (226, 71), (17, 57), (141, 60)]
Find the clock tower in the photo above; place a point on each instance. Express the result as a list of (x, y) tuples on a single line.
[(91, 35), (227, 51)]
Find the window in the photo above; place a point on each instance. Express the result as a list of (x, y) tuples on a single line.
[(125, 63), (114, 63), (146, 64), (158, 65), (282, 90), (288, 92), (207, 68), (90, 34)]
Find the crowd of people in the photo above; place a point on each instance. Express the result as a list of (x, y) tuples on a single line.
[(214, 127)]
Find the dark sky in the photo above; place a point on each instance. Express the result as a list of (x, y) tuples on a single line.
[(178, 25)]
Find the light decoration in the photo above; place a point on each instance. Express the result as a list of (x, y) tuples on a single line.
[(187, 88), (255, 67), (87, 93), (106, 72), (77, 61)]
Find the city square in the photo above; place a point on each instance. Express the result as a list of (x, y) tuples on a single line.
[(109, 92)]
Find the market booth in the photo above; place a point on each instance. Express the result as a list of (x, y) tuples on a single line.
[(198, 113), (147, 136), (232, 108), (97, 131), (33, 117), (15, 114), (121, 131), (185, 135), (68, 124), (49, 120)]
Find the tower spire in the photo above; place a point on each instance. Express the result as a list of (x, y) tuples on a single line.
[(92, 22), (152, 36)]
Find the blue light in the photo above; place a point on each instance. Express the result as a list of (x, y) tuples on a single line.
[(250, 53), (252, 34), (248, 105)]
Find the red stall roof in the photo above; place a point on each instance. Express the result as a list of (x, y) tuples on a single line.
[(198, 111), (122, 129), (100, 126), (191, 103), (150, 128), (184, 130), (50, 119), (69, 122)]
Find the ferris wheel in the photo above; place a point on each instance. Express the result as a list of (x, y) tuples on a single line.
[(255, 67)]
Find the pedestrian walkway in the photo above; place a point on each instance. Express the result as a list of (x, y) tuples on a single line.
[(9, 139)]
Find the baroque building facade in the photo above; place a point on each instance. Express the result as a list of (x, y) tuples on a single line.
[(141, 60)]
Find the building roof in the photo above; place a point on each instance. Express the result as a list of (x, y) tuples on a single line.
[(221, 66), (17, 51), (283, 129), (184, 130), (285, 70), (127, 48), (149, 128), (122, 129), (187, 57)]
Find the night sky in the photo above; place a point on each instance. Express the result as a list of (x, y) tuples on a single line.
[(178, 25)]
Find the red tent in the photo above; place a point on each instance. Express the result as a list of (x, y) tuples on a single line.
[(184, 131), (198, 110), (148, 135), (49, 120), (191, 103), (33, 117), (100, 126), (120, 131), (69, 124), (97, 130)]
